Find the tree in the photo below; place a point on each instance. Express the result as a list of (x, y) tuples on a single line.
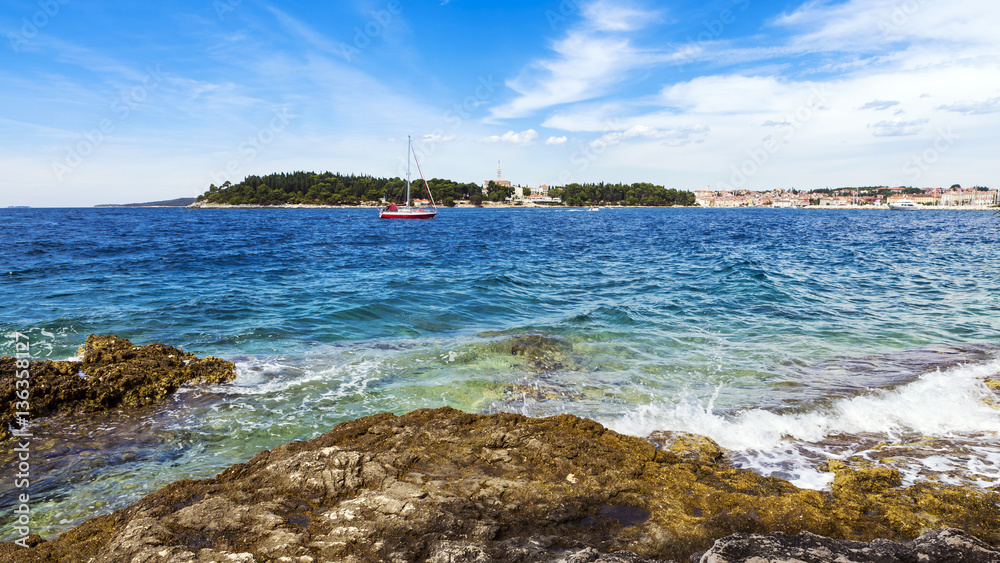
[(497, 192), (332, 189)]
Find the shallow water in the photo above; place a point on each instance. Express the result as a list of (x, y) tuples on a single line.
[(789, 336)]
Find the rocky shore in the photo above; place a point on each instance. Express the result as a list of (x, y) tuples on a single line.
[(445, 486), (113, 374)]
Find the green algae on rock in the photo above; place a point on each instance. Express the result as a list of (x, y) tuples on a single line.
[(114, 373), (442, 485), (543, 354)]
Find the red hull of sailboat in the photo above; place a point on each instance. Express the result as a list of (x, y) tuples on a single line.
[(415, 214)]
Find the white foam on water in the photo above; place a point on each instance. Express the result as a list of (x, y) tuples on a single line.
[(261, 376), (352, 379), (941, 404), (985, 466)]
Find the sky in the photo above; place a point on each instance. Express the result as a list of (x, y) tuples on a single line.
[(113, 102)]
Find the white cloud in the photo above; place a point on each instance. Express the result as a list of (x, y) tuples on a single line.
[(858, 25), (556, 141), (898, 128), (586, 68), (605, 15), (436, 138), (737, 94), (879, 105), (590, 61), (674, 137), (522, 138), (971, 107)]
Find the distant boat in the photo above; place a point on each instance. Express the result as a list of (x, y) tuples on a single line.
[(595, 208), (407, 211), (903, 204)]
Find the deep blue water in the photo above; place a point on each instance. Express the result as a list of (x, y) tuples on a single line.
[(753, 326)]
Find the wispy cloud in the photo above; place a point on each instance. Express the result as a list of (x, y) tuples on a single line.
[(863, 25), (307, 33), (437, 138), (898, 128), (971, 107), (589, 62), (605, 15), (879, 105), (556, 141), (522, 138), (673, 137)]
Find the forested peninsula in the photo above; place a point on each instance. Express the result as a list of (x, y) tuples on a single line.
[(327, 188)]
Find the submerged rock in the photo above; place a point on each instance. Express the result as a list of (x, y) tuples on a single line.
[(114, 373), (542, 354), (938, 546), (441, 485)]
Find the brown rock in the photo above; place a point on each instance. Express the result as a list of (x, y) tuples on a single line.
[(943, 545), (114, 374), (687, 448), (441, 485)]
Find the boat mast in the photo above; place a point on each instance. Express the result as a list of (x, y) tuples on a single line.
[(409, 148), (427, 188)]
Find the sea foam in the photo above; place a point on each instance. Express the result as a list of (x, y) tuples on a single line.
[(952, 404)]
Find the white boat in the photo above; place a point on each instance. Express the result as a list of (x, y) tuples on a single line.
[(595, 208), (903, 204), (407, 211)]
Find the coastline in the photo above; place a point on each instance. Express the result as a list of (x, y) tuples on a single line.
[(200, 205), (506, 487)]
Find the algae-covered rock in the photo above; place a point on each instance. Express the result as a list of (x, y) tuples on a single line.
[(442, 485), (939, 546), (114, 373), (543, 354), (863, 480), (687, 447)]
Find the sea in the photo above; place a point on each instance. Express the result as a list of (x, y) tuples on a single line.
[(789, 336)]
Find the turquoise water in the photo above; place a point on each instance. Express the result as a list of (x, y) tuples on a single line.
[(789, 336)]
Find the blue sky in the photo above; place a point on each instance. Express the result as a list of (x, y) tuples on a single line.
[(120, 103)]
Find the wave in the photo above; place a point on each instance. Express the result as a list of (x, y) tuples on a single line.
[(953, 405)]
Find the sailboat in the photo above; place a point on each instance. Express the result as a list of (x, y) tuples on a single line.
[(407, 211)]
